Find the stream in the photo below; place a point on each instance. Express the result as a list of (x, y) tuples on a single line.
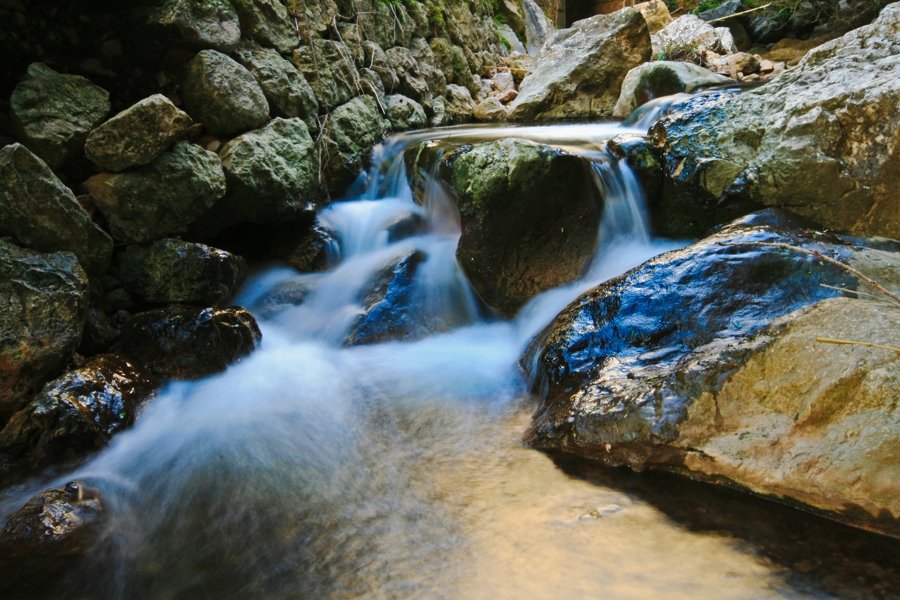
[(396, 470)]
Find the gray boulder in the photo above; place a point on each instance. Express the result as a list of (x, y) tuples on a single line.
[(171, 270), (286, 89), (329, 68), (662, 78), (43, 303), (820, 139), (52, 114), (404, 113), (377, 60), (192, 26), (267, 22), (136, 135), (459, 104), (147, 202), (529, 220), (579, 73), (537, 28), (434, 76), (223, 95), (488, 110), (412, 79), (352, 130), (42, 213), (692, 32)]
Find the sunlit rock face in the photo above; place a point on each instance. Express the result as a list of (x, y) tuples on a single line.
[(820, 140), (703, 360)]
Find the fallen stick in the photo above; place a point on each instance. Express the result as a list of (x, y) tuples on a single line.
[(850, 343), (743, 12)]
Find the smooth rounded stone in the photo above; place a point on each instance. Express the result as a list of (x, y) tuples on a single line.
[(691, 32), (43, 214), (404, 113), (186, 342), (489, 110), (820, 139), (434, 76), (171, 270), (377, 60), (223, 96), (57, 522), (136, 135), (140, 208), (662, 78), (283, 297), (78, 412), (267, 22), (579, 74), (538, 28), (388, 311), (52, 114), (656, 13), (315, 17), (703, 360), (412, 80), (331, 72), (271, 174), (192, 26), (353, 128), (43, 303), (288, 92), (459, 104), (529, 220)]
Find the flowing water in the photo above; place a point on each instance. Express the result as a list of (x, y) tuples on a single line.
[(395, 470)]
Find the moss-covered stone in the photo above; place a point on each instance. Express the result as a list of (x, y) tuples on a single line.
[(329, 68), (267, 22), (352, 131), (404, 113)]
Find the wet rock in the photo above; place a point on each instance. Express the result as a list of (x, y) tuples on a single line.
[(304, 246), (78, 412), (353, 128), (282, 297), (702, 360), (645, 160), (459, 104), (656, 13), (662, 78), (489, 109), (404, 113), (56, 522), (267, 22), (42, 213), (136, 135), (579, 74), (529, 220), (100, 332), (412, 81), (387, 311), (330, 71), (288, 93), (191, 26), (819, 139), (691, 32), (184, 342), (223, 95), (140, 208), (174, 271), (43, 303), (52, 114), (538, 29), (271, 175)]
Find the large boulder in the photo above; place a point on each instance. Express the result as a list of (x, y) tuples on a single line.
[(42, 213), (538, 28), (77, 412), (267, 22), (223, 95), (185, 342), (136, 135), (579, 72), (511, 12), (691, 33), (662, 78), (459, 104), (529, 219), (704, 361), (191, 26), (52, 114), (329, 68), (140, 208), (171, 270), (352, 129), (288, 92), (821, 139), (272, 174), (404, 113), (43, 302)]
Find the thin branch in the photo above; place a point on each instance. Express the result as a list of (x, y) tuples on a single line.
[(737, 14), (821, 256), (879, 299), (849, 343)]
